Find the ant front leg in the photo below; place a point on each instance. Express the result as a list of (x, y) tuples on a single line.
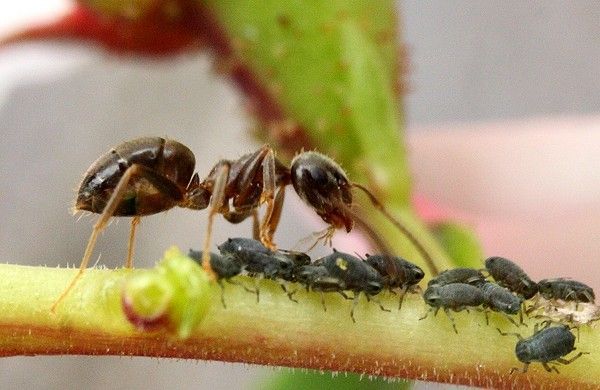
[(135, 221), (165, 186)]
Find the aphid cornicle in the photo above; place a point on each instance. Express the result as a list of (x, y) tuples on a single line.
[(566, 289), (509, 275), (458, 275), (149, 175), (341, 272), (455, 297), (547, 345), (396, 272)]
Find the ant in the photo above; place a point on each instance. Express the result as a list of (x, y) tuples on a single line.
[(149, 175)]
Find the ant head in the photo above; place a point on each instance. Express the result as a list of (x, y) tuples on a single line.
[(197, 197), (323, 185)]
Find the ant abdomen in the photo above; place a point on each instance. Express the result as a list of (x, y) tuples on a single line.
[(322, 184)]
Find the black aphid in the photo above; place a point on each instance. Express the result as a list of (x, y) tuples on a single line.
[(455, 297), (566, 289), (500, 299), (341, 272), (397, 273), (509, 275), (547, 345), (258, 260), (458, 275)]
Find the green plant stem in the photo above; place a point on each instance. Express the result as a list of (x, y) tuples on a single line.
[(277, 331)]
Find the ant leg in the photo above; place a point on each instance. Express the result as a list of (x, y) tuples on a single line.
[(135, 170), (407, 233), (273, 222), (268, 196), (255, 225), (135, 221), (216, 202)]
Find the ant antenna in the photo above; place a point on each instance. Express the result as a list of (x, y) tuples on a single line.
[(407, 233)]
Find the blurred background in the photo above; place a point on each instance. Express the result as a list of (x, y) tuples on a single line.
[(503, 119)]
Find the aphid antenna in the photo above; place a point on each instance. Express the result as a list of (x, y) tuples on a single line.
[(403, 229)]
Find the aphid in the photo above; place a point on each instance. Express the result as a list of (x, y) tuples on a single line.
[(509, 275), (566, 289), (396, 273), (258, 260), (150, 175), (458, 275), (500, 299), (341, 272), (455, 297), (225, 267), (547, 345)]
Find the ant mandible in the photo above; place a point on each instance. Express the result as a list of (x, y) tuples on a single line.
[(150, 175)]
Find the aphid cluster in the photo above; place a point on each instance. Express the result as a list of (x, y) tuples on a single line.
[(464, 288), (336, 273)]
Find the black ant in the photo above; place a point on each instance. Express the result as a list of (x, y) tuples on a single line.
[(149, 175)]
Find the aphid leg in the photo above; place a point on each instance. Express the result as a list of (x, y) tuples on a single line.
[(402, 293), (407, 233), (248, 289), (346, 296), (323, 301), (216, 202), (487, 318), (257, 288), (571, 360), (354, 303), (447, 311), (135, 221), (510, 319), (426, 314), (378, 302), (510, 334), (268, 196), (135, 170), (290, 294), (222, 293), (548, 368)]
